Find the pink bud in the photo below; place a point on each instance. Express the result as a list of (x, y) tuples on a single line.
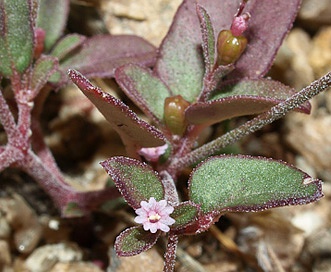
[(153, 153), (239, 24), (39, 36)]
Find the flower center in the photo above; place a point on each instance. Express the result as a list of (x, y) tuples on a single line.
[(153, 218)]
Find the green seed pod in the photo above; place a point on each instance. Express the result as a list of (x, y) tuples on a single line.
[(229, 47), (174, 117)]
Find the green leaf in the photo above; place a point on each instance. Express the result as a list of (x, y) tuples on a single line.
[(66, 45), (143, 88), (16, 36), (254, 87), (244, 183), (52, 18), (44, 68), (134, 240), (246, 97), (184, 214), (208, 38), (58, 79), (135, 180), (181, 62)]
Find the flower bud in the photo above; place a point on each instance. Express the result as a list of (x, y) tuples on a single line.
[(229, 47), (39, 36), (240, 24), (174, 114)]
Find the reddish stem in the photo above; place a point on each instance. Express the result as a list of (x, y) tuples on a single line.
[(170, 254), (61, 193)]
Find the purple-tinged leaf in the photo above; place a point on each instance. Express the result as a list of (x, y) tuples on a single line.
[(185, 214), (99, 56), (16, 36), (135, 180), (43, 69), (244, 183), (246, 97), (52, 18), (181, 65), (135, 133), (256, 87), (66, 45), (208, 38), (144, 89), (267, 27), (134, 240)]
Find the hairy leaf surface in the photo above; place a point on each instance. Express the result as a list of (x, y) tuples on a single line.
[(16, 36), (143, 88), (135, 180), (134, 132), (52, 18), (181, 63), (245, 183), (134, 240), (246, 97)]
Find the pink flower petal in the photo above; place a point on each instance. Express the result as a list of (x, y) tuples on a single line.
[(164, 227), (154, 215), (140, 219), (153, 153)]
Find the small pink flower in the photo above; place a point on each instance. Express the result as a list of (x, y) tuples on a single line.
[(154, 215), (153, 153)]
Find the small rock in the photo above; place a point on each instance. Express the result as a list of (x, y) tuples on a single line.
[(319, 243), (44, 258), (317, 249), (224, 266), (314, 14), (5, 258), (23, 222), (309, 221), (75, 267), (320, 55), (302, 164), (271, 239), (149, 260), (310, 136), (129, 9), (146, 18), (291, 64), (322, 266), (4, 228)]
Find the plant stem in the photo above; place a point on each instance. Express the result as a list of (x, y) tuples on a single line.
[(170, 255), (62, 193), (253, 125)]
